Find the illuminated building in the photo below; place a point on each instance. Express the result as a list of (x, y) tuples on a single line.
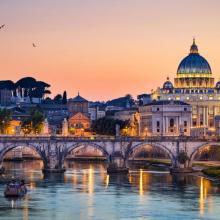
[(78, 104), (165, 118), (194, 85), (79, 120)]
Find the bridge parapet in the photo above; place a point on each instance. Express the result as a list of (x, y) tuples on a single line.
[(54, 149)]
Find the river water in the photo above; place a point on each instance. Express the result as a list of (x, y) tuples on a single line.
[(85, 191)]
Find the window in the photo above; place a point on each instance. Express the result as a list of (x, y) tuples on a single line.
[(158, 109), (171, 122), (185, 109), (185, 130), (194, 123), (158, 124), (158, 130), (185, 123)]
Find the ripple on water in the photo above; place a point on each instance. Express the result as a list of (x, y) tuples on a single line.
[(87, 192)]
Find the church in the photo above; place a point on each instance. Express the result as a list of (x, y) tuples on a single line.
[(194, 85)]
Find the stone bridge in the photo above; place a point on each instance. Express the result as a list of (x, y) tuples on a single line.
[(54, 149)]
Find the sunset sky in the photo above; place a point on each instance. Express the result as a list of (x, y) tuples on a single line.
[(105, 48)]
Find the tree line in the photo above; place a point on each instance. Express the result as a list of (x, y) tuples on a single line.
[(31, 124), (107, 126), (26, 87)]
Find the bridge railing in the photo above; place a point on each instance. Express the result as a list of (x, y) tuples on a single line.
[(109, 138)]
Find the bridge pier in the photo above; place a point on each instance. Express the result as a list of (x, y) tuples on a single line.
[(182, 163), (54, 163), (117, 164)]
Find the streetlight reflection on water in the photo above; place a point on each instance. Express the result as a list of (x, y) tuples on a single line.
[(141, 190), (204, 189), (89, 180)]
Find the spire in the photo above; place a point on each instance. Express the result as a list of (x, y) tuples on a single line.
[(194, 48)]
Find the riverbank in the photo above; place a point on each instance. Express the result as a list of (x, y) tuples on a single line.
[(212, 172)]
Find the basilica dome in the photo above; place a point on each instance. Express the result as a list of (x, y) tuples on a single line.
[(168, 84), (194, 63), (217, 85)]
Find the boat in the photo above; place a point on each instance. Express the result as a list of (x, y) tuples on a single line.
[(15, 189)]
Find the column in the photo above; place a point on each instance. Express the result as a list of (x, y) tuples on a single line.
[(164, 126), (204, 115)]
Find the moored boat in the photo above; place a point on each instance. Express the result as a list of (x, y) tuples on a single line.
[(15, 189)]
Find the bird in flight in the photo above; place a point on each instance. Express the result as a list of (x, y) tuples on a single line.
[(2, 26), (34, 45)]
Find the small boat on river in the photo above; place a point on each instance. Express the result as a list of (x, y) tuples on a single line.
[(15, 189)]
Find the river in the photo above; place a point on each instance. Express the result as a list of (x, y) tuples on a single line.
[(85, 191)]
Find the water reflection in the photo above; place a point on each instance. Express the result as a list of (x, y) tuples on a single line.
[(84, 188), (204, 189), (107, 181), (141, 190), (25, 209)]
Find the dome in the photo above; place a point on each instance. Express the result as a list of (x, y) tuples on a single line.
[(217, 85), (168, 84), (194, 63)]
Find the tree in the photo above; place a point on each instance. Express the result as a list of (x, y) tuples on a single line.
[(34, 123), (39, 91), (5, 118), (26, 85), (182, 157), (64, 100), (58, 99), (48, 101), (26, 126), (106, 126), (7, 84), (37, 119)]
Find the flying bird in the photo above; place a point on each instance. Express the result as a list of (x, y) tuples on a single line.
[(2, 26), (34, 45)]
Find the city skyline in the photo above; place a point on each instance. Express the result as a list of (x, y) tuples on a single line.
[(105, 49)]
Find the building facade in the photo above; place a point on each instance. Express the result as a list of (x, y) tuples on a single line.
[(165, 118), (96, 113), (78, 104), (194, 84)]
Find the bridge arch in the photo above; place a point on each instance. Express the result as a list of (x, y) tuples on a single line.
[(154, 145), (38, 150), (75, 146), (198, 148)]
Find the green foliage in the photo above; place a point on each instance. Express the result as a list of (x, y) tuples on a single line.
[(106, 126), (212, 171), (26, 126), (5, 118), (34, 123), (182, 157), (37, 119)]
